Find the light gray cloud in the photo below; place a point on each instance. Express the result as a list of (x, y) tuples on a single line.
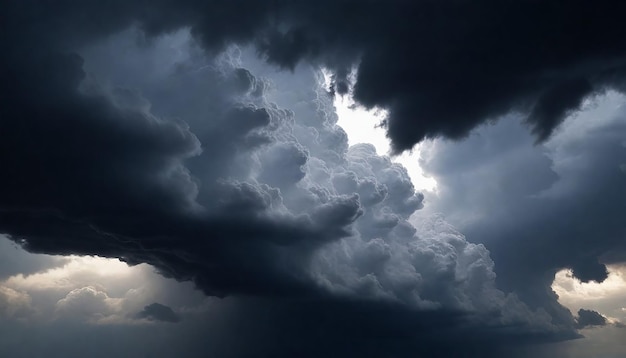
[(86, 303)]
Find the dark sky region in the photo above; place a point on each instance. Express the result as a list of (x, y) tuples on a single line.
[(198, 140)]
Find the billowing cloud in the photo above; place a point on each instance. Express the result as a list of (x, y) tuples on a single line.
[(86, 303), (243, 198), (238, 207), (543, 208)]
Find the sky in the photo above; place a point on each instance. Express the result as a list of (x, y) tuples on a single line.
[(312, 179)]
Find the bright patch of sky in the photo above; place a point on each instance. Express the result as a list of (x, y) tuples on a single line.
[(90, 289), (363, 126)]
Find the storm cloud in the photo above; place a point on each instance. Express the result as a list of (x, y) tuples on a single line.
[(590, 318), (539, 209), (152, 133)]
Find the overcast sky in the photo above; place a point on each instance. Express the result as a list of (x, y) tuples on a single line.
[(312, 179)]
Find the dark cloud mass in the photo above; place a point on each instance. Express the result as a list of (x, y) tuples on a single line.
[(158, 312), (590, 318), (568, 198), (150, 132), (440, 68)]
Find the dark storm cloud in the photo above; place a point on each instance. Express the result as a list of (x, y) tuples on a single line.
[(92, 170), (95, 171), (588, 318), (540, 208), (440, 68), (158, 312)]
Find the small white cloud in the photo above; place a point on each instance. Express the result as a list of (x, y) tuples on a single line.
[(87, 303)]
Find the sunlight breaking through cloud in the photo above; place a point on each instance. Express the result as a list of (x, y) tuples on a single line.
[(607, 297), (367, 126)]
